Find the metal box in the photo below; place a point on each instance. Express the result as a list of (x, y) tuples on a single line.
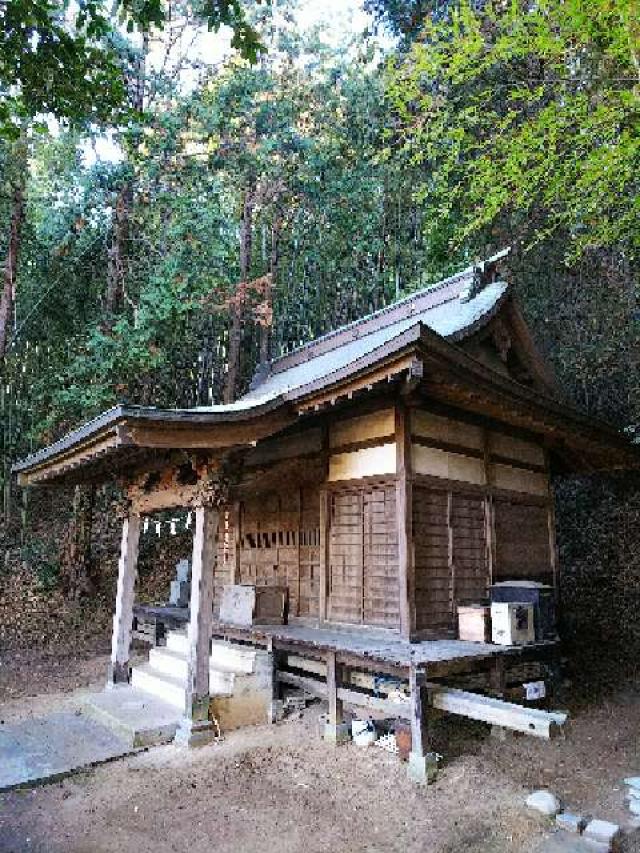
[(540, 595), (512, 623)]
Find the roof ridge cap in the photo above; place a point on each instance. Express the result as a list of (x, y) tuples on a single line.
[(433, 288)]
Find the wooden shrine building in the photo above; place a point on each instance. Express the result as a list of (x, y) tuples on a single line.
[(384, 475)]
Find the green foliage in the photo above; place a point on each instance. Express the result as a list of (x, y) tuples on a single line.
[(61, 60), (527, 112), (42, 558)]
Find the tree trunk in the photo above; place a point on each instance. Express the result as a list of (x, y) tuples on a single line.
[(75, 556), (7, 300), (267, 324), (237, 304), (117, 253)]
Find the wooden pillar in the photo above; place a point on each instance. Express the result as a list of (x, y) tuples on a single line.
[(276, 705), (498, 677), (196, 728), (325, 520), (336, 730), (423, 765), (404, 521), (123, 617)]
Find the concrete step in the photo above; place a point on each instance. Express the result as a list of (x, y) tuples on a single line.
[(168, 688), (239, 658), (177, 641), (135, 715), (226, 656), (174, 664), (171, 667)]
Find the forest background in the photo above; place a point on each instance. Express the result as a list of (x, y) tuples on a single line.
[(188, 187)]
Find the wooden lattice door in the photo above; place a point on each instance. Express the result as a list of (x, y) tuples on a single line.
[(363, 557)]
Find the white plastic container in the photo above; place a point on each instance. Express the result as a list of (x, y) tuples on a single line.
[(512, 623), (363, 732)]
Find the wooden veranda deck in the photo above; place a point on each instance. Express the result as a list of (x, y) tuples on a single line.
[(383, 653)]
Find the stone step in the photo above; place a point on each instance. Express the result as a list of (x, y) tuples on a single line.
[(174, 664), (135, 715), (240, 659), (223, 655), (177, 641), (168, 688)]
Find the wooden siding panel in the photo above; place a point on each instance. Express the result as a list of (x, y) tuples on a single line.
[(451, 554), (516, 449), (279, 544), (432, 573), (363, 428), (367, 462), (520, 480), (428, 425), (469, 549), (522, 542), (435, 462)]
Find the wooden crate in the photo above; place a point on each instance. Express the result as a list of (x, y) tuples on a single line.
[(474, 623)]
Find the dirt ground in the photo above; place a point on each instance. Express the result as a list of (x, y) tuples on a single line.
[(282, 789)]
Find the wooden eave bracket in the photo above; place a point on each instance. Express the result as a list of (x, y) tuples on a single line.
[(407, 364)]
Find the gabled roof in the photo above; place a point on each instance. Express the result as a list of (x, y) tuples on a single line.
[(451, 308), (428, 328)]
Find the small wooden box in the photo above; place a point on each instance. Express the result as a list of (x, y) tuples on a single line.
[(474, 623), (244, 604)]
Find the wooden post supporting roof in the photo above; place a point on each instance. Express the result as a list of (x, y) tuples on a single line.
[(123, 617), (196, 728), (404, 521)]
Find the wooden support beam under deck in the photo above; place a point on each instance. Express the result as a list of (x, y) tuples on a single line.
[(335, 730), (423, 764)]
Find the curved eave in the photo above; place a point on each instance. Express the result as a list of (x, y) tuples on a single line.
[(126, 436)]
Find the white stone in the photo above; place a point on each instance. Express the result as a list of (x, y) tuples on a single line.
[(570, 822), (544, 802), (634, 805), (603, 832)]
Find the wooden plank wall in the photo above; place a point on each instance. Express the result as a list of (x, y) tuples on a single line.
[(523, 548), (275, 542), (225, 556), (431, 555), (481, 513)]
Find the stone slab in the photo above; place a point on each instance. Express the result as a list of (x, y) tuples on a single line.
[(603, 832), (43, 749), (570, 822), (544, 802), (565, 842), (134, 715)]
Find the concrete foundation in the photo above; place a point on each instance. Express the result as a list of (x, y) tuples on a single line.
[(193, 733), (423, 768), (337, 734)]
